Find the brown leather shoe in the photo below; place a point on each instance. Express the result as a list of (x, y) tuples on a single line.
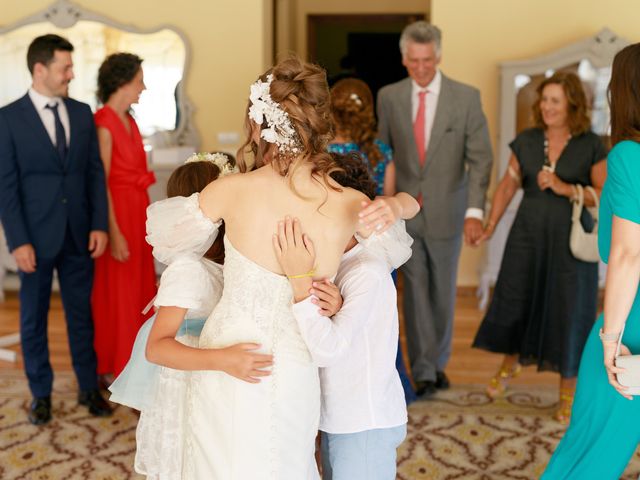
[(40, 410), (98, 406)]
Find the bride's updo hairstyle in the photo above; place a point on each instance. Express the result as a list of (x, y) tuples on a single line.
[(300, 90)]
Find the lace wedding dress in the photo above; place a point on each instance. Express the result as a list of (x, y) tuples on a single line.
[(259, 431), (234, 430)]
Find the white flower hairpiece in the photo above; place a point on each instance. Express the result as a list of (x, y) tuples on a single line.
[(356, 99), (279, 128), (220, 160)]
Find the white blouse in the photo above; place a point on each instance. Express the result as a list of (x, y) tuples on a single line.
[(361, 388)]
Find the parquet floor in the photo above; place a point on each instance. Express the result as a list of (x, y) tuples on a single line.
[(467, 366)]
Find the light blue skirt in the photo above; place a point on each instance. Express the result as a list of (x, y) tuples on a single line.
[(134, 387)]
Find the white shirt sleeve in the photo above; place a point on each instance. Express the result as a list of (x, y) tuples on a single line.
[(329, 338), (473, 212), (394, 245)]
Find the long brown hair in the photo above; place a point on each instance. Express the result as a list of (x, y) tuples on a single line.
[(624, 95), (352, 109), (577, 107), (301, 90), (190, 178)]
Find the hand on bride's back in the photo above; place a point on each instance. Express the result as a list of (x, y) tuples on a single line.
[(241, 361)]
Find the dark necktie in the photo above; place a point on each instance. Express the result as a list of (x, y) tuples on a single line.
[(61, 137)]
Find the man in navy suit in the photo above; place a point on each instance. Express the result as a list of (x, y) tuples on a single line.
[(53, 207)]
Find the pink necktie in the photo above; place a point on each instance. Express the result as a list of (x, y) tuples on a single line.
[(419, 127), (418, 133)]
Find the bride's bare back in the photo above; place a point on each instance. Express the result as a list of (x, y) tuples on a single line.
[(251, 205), (289, 125)]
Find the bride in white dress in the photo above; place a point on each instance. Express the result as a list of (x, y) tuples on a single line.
[(245, 431)]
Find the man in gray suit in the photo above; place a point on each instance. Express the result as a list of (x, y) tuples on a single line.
[(443, 157)]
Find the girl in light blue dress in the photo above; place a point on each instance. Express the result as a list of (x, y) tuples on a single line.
[(193, 282)]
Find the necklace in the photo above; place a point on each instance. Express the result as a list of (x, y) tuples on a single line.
[(548, 166)]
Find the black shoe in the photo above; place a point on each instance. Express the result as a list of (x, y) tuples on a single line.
[(40, 410), (98, 406), (425, 389), (442, 381)]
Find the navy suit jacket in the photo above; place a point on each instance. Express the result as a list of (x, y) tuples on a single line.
[(40, 193)]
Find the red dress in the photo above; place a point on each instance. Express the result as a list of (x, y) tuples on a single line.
[(121, 290)]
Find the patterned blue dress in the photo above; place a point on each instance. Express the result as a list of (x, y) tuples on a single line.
[(378, 176), (378, 172), (605, 427)]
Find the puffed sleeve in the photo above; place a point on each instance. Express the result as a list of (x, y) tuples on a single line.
[(623, 181), (177, 226), (394, 245), (186, 283)]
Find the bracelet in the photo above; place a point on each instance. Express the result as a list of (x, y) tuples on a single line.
[(608, 337), (310, 273)]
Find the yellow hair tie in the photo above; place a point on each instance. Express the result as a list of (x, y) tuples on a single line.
[(310, 273)]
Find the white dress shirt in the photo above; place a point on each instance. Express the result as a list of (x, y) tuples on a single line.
[(431, 105), (41, 101), (356, 349)]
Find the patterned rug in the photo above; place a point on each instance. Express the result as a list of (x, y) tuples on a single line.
[(460, 434)]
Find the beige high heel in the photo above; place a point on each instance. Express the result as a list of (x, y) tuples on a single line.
[(499, 382), (563, 413)]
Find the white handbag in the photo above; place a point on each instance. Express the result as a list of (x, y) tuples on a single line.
[(631, 363), (584, 245)]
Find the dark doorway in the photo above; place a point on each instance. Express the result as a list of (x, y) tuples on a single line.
[(362, 46)]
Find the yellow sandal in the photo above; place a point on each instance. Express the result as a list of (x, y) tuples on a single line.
[(563, 413), (498, 383)]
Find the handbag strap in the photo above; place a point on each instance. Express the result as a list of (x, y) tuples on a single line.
[(596, 202), (620, 340), (577, 204)]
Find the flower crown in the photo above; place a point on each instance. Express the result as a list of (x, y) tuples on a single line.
[(356, 99), (280, 130), (220, 160)]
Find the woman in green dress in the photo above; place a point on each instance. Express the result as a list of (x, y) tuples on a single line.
[(605, 424)]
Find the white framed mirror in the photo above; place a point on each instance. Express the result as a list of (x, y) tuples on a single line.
[(164, 113), (591, 60)]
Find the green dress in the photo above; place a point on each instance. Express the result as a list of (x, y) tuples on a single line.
[(605, 427)]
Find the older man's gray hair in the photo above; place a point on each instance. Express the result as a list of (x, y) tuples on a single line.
[(420, 32)]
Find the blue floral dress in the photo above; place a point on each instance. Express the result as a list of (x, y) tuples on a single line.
[(378, 172)]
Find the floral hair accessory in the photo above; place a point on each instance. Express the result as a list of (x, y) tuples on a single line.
[(220, 160), (279, 128), (356, 99)]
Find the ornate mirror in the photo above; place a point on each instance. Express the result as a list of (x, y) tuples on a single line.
[(164, 112), (591, 60)]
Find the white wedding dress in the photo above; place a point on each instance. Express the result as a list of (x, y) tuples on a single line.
[(259, 431), (235, 430)]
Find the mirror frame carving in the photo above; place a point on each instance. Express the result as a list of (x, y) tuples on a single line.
[(65, 14), (599, 50)]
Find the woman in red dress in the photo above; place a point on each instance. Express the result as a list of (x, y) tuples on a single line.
[(124, 277)]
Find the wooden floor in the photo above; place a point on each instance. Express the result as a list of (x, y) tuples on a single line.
[(467, 366)]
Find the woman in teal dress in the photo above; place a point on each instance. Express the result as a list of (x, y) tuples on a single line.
[(605, 424)]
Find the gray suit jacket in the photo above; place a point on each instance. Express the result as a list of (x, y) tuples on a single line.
[(459, 157)]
